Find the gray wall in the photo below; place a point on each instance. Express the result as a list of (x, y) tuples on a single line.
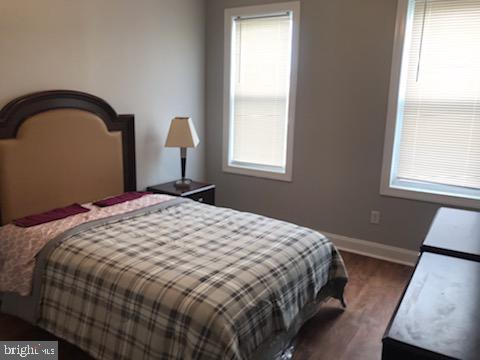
[(344, 69), (144, 57)]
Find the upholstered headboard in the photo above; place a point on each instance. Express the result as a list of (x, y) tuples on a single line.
[(59, 147)]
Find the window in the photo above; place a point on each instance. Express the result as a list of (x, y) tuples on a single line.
[(432, 142), (260, 81)]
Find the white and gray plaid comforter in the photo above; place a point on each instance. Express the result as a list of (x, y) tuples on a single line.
[(189, 281)]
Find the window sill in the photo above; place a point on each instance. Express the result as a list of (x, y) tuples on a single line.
[(431, 196), (257, 172)]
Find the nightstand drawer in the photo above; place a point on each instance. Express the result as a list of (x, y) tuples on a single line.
[(206, 197)]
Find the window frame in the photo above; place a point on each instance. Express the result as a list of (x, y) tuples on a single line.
[(263, 171), (390, 185)]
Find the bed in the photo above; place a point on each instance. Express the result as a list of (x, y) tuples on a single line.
[(157, 277)]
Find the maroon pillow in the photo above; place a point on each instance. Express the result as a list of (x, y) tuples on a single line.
[(52, 215), (114, 200)]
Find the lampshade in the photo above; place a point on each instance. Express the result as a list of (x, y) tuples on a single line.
[(182, 133)]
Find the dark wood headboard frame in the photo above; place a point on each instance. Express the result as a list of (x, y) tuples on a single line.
[(18, 110)]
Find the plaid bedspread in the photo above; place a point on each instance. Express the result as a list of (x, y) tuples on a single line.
[(190, 281)]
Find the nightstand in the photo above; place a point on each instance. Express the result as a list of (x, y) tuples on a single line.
[(198, 191)]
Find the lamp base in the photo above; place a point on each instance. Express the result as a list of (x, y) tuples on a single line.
[(183, 183)]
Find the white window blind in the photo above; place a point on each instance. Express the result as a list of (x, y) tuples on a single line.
[(439, 102), (260, 76)]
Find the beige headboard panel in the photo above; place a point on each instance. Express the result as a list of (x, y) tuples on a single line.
[(59, 157)]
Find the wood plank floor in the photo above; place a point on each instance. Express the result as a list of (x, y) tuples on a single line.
[(373, 291), (372, 294)]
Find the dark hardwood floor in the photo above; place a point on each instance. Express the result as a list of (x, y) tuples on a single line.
[(372, 294), (373, 291)]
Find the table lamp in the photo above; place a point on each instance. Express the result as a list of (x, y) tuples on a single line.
[(182, 134)]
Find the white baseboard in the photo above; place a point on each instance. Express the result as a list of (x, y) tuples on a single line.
[(373, 249)]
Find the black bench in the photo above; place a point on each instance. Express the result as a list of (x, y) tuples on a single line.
[(438, 316)]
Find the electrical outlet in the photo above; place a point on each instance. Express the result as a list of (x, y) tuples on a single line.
[(375, 217)]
